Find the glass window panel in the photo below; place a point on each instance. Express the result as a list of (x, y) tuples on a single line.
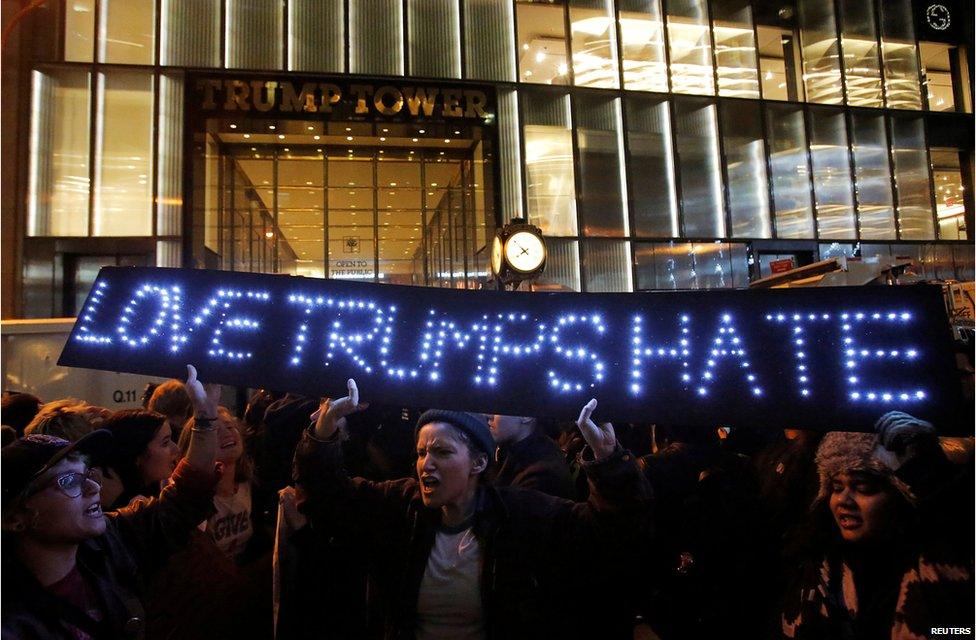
[(949, 202), (965, 262), (435, 48), (509, 154), (875, 206), (169, 207), (791, 171), (831, 174), (642, 44), (376, 37), (60, 114), (739, 257), (488, 40), (686, 265), (735, 48), (127, 31), (562, 266), (594, 35), (821, 59), (79, 30), (316, 35), (900, 55), (189, 31), (712, 265), (745, 158), (779, 52), (651, 169), (698, 161), (912, 179), (862, 68), (254, 34), (606, 266), (542, 48), (836, 250), (937, 75), (549, 163), (123, 155), (169, 253), (602, 198), (690, 44)]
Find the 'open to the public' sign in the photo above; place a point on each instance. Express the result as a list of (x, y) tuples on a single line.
[(813, 358)]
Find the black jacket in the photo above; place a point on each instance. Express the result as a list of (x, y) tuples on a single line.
[(537, 550), (534, 463), (137, 542)]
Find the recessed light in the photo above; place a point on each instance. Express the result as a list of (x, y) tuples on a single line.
[(281, 136), (233, 126), (433, 184), (457, 133), (416, 139), (350, 150), (348, 129), (349, 138), (287, 149), (311, 128), (247, 135), (446, 141), (308, 182), (423, 131), (271, 126), (393, 184), (316, 137), (382, 139)]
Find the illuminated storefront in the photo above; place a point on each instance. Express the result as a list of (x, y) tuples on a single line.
[(659, 144)]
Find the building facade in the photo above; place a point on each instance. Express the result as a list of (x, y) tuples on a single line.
[(659, 144)]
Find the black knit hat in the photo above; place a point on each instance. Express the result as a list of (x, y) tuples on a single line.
[(27, 458), (475, 426)]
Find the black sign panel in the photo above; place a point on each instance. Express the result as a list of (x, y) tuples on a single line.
[(939, 20), (826, 358)]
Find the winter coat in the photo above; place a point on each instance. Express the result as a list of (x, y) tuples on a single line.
[(138, 540), (902, 589), (534, 463), (535, 548)]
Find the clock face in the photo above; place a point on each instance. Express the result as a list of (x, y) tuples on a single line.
[(524, 251), (496, 256), (937, 15)]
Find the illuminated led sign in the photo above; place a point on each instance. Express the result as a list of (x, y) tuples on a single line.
[(826, 358)]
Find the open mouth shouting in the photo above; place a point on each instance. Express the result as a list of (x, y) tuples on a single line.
[(428, 484), (94, 511)]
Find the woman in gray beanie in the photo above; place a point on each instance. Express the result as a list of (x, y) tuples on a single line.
[(891, 551), (454, 557)]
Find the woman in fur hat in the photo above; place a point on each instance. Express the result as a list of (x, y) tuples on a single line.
[(891, 551)]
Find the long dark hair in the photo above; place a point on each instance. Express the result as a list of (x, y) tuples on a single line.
[(133, 430)]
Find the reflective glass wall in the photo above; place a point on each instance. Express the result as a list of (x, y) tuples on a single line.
[(631, 131)]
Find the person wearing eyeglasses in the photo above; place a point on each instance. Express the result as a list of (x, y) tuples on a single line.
[(71, 571)]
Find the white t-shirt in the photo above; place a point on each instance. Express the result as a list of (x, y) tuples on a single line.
[(230, 527), (449, 603)]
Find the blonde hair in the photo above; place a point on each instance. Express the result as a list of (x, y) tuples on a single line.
[(67, 418), (244, 469), (172, 400)]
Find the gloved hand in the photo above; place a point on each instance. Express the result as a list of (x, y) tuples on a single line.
[(901, 436), (601, 438)]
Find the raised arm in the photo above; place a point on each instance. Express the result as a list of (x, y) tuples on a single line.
[(155, 529), (328, 496)]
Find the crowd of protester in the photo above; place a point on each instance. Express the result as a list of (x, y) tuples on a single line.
[(337, 519)]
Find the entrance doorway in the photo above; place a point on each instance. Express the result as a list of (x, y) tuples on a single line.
[(400, 203)]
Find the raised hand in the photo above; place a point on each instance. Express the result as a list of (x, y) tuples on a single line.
[(900, 437), (601, 438), (331, 412), (204, 397)]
